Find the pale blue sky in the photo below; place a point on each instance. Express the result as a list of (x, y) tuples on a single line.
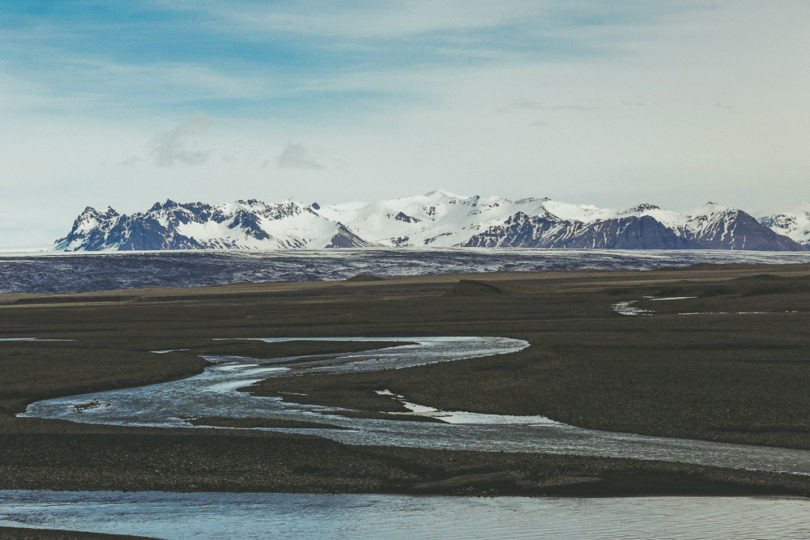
[(610, 103)]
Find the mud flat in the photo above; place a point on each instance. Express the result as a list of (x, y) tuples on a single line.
[(727, 361)]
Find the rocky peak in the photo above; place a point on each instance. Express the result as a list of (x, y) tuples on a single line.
[(643, 207)]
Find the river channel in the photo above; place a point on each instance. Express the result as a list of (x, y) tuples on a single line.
[(222, 515), (214, 393)]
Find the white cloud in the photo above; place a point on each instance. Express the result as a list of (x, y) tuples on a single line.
[(173, 146), (296, 156), (132, 161)]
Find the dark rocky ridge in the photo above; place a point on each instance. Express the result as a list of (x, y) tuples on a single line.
[(738, 230), (345, 238)]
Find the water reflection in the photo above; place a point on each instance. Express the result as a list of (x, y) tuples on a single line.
[(262, 515)]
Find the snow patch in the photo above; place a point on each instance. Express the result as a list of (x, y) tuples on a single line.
[(626, 308), (465, 417)]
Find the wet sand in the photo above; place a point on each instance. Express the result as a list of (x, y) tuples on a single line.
[(735, 371)]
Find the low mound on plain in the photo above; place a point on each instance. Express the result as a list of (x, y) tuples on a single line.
[(470, 287)]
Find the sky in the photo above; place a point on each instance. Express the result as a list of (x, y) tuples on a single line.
[(585, 101)]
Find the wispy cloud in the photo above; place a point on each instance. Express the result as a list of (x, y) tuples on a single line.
[(384, 19), (529, 105), (296, 156), (285, 52), (724, 106), (132, 161)]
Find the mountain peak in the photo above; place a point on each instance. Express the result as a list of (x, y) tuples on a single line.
[(90, 212), (644, 207), (158, 206), (444, 194), (712, 208)]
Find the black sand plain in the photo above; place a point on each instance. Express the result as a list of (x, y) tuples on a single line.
[(737, 371)]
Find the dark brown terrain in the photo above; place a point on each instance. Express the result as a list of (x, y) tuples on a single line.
[(736, 371)]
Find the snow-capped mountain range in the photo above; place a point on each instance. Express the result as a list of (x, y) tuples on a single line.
[(794, 224), (436, 219)]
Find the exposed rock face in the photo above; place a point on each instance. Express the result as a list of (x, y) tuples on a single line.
[(624, 233), (732, 229), (739, 230), (345, 238), (402, 216), (436, 219)]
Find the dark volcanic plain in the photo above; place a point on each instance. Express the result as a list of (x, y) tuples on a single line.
[(736, 371)]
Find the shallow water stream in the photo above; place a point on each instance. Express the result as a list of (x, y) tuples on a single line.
[(213, 393)]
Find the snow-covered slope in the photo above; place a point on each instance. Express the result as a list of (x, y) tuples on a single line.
[(794, 224), (436, 219), (442, 219)]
